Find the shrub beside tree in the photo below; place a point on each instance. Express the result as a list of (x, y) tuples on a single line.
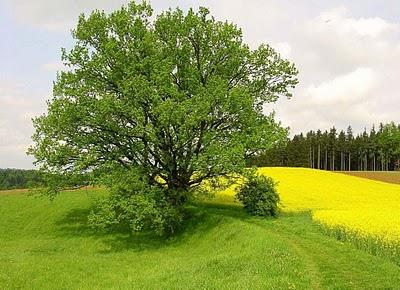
[(259, 195)]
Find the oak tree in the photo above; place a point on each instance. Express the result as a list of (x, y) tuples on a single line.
[(178, 97)]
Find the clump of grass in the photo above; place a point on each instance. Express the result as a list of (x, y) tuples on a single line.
[(372, 244)]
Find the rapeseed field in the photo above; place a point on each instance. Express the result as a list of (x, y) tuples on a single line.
[(365, 212)]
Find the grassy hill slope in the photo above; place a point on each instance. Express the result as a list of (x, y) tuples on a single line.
[(47, 245)]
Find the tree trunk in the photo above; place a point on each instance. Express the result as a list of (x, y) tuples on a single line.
[(319, 156), (326, 159), (342, 161), (387, 162), (374, 162), (312, 159), (349, 161)]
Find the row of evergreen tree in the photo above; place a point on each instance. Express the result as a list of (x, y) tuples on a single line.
[(19, 178), (375, 150)]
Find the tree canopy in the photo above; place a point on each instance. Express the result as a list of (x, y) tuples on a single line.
[(178, 96)]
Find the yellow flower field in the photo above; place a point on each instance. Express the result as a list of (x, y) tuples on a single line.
[(366, 208)]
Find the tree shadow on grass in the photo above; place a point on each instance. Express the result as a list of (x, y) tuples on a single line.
[(202, 218), (75, 224)]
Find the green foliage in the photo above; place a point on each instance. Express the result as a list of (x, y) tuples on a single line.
[(390, 140), (148, 210), (19, 178), (178, 95), (258, 195), (135, 203), (51, 184)]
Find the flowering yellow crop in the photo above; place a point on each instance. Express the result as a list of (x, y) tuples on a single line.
[(362, 207)]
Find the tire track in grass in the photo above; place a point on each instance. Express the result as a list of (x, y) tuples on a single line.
[(310, 264), (333, 264)]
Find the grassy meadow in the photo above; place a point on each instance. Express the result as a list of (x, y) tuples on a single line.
[(48, 245)]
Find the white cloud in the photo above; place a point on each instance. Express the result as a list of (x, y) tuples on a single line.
[(53, 66), (17, 107), (57, 15), (348, 72), (11, 96), (345, 43), (345, 89), (62, 15), (283, 48), (340, 21), (349, 99)]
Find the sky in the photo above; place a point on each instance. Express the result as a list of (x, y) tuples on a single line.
[(347, 54)]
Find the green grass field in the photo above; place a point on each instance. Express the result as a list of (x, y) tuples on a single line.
[(48, 245)]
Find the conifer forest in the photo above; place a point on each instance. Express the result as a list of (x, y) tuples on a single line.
[(373, 150)]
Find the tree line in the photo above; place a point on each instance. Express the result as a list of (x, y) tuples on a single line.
[(376, 150), (19, 178)]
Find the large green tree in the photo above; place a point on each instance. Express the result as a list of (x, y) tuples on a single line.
[(178, 97)]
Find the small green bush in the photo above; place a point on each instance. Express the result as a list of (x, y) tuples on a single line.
[(135, 203), (143, 211), (258, 195)]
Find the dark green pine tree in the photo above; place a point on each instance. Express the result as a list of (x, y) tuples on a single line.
[(332, 146), (349, 147), (373, 148), (318, 139), (341, 143)]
